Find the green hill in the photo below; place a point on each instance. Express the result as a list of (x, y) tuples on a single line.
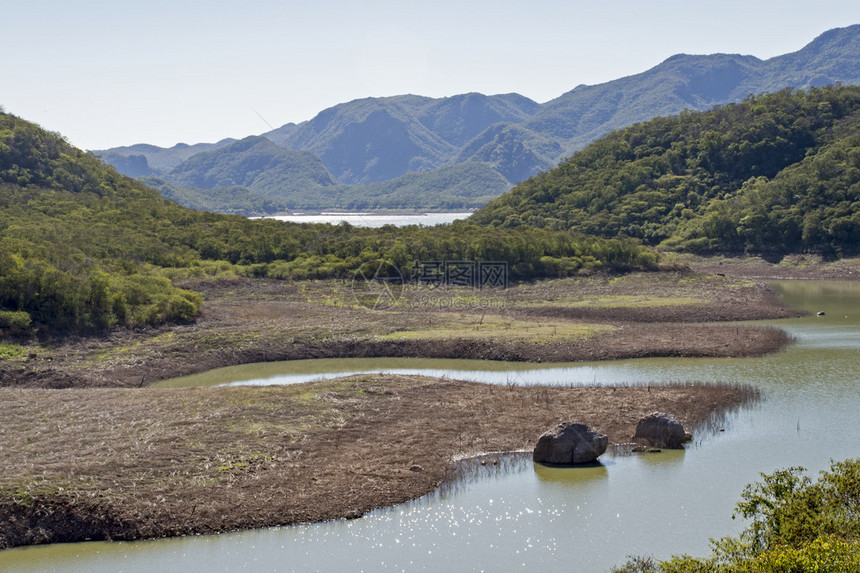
[(255, 163), (159, 160), (774, 174), (458, 187), (231, 200)]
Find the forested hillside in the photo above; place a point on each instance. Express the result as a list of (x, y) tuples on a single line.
[(83, 247), (774, 174)]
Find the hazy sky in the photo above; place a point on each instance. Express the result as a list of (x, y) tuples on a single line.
[(106, 73)]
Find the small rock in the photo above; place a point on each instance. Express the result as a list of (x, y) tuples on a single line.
[(646, 450), (660, 430), (570, 443)]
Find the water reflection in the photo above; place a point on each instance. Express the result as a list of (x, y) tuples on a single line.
[(664, 458), (572, 475)]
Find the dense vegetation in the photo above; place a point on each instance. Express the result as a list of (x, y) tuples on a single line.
[(82, 247), (774, 174), (231, 200), (797, 526), (375, 140)]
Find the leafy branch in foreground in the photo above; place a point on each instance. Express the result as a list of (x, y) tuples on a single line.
[(797, 526)]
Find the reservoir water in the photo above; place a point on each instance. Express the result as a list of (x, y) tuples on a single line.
[(516, 515), (374, 219)]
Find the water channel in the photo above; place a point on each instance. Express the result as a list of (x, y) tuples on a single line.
[(515, 515)]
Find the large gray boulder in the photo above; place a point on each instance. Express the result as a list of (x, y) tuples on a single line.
[(570, 443), (660, 431)]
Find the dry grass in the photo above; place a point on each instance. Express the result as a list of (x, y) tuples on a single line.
[(806, 266), (126, 463), (247, 320), (484, 327)]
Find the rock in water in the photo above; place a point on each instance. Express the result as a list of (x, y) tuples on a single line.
[(570, 443), (660, 431)]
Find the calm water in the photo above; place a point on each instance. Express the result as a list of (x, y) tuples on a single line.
[(518, 516), (374, 220)]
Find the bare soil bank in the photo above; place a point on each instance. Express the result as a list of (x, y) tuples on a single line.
[(243, 321), (789, 267), (139, 463)]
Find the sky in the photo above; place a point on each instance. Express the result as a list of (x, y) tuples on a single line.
[(106, 73)]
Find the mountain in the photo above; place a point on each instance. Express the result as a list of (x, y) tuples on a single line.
[(256, 163), (378, 139), (156, 160), (776, 173), (453, 188), (374, 140), (682, 82)]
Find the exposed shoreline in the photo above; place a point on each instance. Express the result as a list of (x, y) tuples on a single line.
[(214, 460), (246, 321), (107, 458)]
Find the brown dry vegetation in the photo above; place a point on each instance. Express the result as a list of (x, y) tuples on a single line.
[(639, 315), (131, 463), (806, 266)]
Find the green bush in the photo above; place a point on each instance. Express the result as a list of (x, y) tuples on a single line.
[(797, 526), (15, 321)]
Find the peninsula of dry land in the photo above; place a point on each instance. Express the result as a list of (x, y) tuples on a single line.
[(567, 320), (116, 463)]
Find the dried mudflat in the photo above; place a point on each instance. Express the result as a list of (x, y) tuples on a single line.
[(595, 318), (107, 457), (116, 463)]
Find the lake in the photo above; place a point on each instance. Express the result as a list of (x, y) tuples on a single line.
[(374, 219), (519, 515)]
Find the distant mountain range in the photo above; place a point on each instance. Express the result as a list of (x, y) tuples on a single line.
[(458, 152)]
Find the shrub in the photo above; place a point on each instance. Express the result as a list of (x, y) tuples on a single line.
[(797, 526), (15, 321)]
